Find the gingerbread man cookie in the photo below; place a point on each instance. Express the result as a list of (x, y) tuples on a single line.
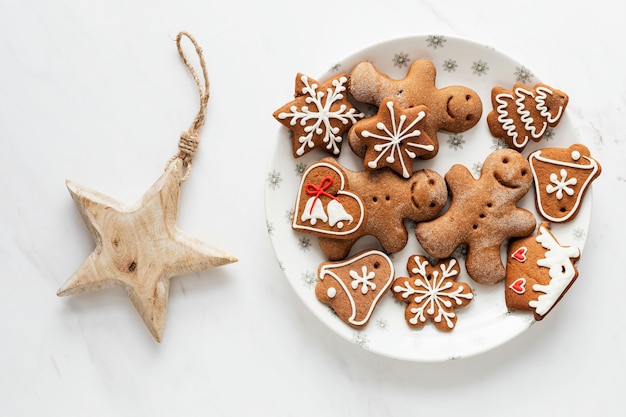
[(319, 115), (482, 214), (432, 292), (377, 201), (453, 108)]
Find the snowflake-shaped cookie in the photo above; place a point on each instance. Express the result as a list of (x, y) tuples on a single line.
[(432, 292), (394, 137), (319, 114)]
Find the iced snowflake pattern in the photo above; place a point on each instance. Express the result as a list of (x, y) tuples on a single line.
[(523, 75), (435, 41), (433, 295), (401, 60), (304, 243), (363, 279), (314, 111), (273, 179), (397, 140), (450, 65), (480, 67), (456, 142), (561, 184)]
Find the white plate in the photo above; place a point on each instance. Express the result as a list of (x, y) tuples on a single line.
[(485, 323)]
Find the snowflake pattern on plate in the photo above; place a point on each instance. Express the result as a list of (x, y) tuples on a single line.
[(450, 65), (304, 243), (401, 60), (361, 340), (309, 279), (480, 67), (435, 41), (274, 179), (456, 141), (523, 75)]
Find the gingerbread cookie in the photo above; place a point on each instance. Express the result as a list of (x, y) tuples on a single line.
[(539, 272), (394, 137), (453, 108), (324, 204), (319, 115), (353, 288), (432, 292), (482, 214), (562, 177), (387, 200), (525, 113)]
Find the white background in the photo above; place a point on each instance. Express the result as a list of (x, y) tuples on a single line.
[(95, 92)]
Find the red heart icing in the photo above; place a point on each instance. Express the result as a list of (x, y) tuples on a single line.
[(519, 285), (520, 254)]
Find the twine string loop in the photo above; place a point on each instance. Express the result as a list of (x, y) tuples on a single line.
[(189, 139)]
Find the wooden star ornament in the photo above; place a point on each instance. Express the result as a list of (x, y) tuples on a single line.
[(139, 247)]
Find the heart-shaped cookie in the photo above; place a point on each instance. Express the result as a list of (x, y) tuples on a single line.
[(324, 206)]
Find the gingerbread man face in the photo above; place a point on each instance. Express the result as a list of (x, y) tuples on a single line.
[(482, 214), (388, 200), (452, 108)]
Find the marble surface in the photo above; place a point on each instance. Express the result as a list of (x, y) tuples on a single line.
[(95, 92)]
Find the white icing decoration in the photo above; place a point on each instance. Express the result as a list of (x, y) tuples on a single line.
[(525, 114), (326, 270), (364, 279), (540, 99), (561, 184), (508, 124), (434, 291), (395, 137), (575, 155), (333, 212), (331, 292), (558, 259), (321, 114), (337, 214), (314, 211), (591, 166)]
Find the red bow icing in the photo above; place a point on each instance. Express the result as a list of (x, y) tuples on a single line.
[(317, 191)]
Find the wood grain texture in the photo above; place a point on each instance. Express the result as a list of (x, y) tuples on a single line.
[(139, 247)]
